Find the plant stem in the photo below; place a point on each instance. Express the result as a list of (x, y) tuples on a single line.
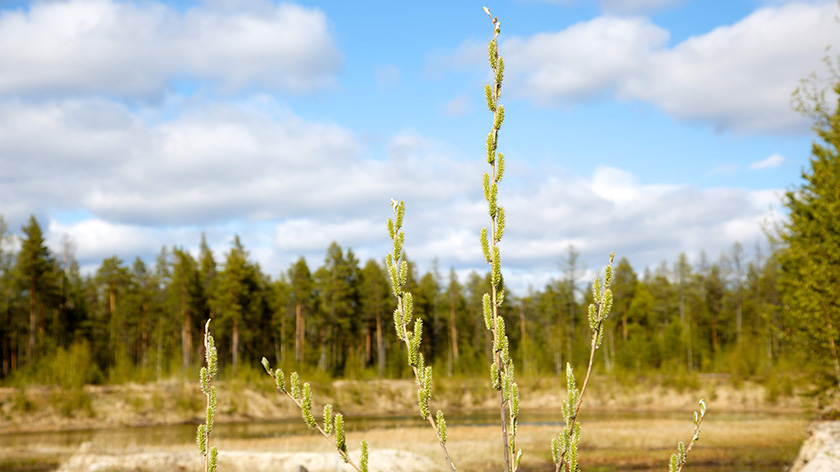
[(318, 427), (417, 379)]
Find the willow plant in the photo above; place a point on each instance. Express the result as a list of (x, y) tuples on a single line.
[(564, 446), (501, 366), (332, 424), (206, 374), (679, 458), (398, 272)]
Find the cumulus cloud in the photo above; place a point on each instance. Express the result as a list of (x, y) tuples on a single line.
[(289, 187), (774, 160), (737, 77), (139, 50), (583, 61), (211, 164)]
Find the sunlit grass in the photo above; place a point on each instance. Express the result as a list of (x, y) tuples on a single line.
[(762, 442)]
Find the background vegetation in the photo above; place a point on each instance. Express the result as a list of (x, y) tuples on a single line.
[(137, 322)]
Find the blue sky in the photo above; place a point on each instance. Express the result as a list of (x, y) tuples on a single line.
[(645, 127)]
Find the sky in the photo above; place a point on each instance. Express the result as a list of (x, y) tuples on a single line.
[(646, 127)]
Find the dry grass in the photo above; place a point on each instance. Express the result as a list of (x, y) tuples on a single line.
[(729, 440)]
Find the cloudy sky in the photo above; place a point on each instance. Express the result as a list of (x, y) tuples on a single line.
[(645, 127)]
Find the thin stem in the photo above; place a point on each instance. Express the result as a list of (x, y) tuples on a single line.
[(419, 383), (593, 346), (341, 452), (696, 433)]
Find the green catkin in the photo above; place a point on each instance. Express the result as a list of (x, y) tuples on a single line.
[(280, 380), (295, 380), (328, 418), (214, 458), (441, 426), (339, 433), (306, 406), (488, 313), (363, 460), (201, 440)]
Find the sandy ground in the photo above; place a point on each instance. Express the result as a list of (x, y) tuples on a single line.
[(769, 439), (174, 402)]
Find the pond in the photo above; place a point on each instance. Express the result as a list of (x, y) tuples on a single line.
[(41, 451)]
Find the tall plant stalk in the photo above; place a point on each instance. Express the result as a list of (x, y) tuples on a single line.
[(398, 270), (501, 367)]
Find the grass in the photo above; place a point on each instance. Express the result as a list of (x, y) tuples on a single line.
[(767, 442)]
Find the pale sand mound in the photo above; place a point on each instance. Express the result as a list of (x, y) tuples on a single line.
[(243, 461), (821, 451)]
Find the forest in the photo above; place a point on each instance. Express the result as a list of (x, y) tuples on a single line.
[(131, 321)]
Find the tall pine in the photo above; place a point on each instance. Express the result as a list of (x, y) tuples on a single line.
[(810, 263)]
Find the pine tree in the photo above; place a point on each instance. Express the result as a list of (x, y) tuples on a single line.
[(302, 296), (113, 277), (811, 261), (36, 274), (374, 298), (237, 297), (185, 298)]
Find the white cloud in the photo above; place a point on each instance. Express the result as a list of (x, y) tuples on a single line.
[(737, 77), (581, 62), (774, 160), (139, 50), (308, 192), (740, 77)]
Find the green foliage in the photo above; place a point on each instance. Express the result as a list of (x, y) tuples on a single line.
[(810, 270)]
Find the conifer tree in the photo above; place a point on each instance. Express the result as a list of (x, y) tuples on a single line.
[(301, 294), (36, 274), (811, 261), (113, 277), (237, 297), (184, 298), (374, 297)]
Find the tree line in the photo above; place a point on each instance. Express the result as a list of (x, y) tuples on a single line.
[(135, 321)]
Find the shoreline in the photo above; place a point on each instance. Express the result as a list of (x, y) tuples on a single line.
[(172, 402)]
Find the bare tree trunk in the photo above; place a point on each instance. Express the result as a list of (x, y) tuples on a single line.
[(282, 354), (832, 347), (380, 346), (33, 323), (523, 340), (299, 333), (235, 344), (453, 330), (186, 340)]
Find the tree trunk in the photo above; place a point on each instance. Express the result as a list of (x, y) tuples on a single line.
[(453, 330), (282, 355), (523, 340), (235, 344), (33, 323), (380, 346), (298, 334), (186, 344)]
